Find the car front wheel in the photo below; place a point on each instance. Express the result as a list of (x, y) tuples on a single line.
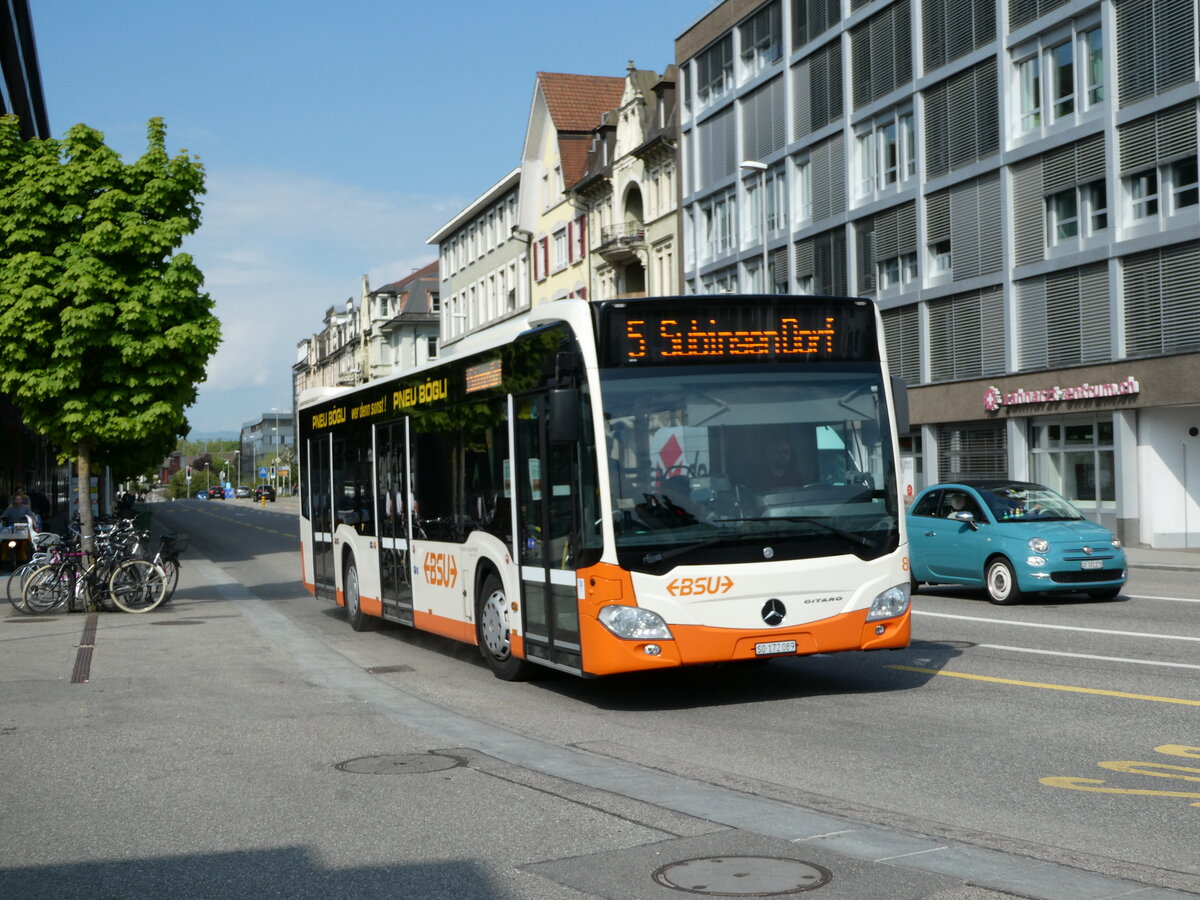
[(1001, 583)]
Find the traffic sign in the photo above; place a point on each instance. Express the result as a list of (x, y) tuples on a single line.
[(262, 471)]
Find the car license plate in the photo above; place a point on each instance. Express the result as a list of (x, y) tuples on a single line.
[(773, 647), (1091, 564)]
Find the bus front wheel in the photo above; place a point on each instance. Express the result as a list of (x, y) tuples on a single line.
[(359, 621), (493, 633)]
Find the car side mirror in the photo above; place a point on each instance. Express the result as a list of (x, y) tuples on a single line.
[(969, 518)]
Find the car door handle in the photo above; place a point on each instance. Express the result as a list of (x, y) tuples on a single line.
[(931, 534)]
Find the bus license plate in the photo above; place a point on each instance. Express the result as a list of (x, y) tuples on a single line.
[(1091, 564), (773, 647)]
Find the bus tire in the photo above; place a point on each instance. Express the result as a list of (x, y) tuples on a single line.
[(492, 631), (358, 620)]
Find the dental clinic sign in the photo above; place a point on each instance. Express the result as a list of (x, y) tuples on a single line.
[(993, 399)]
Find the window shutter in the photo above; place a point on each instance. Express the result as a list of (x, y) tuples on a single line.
[(861, 61), (865, 238), (1058, 169), (570, 242), (1162, 311), (1174, 43), (964, 230), (972, 451), (886, 237), (1138, 144), (937, 131), (779, 261), (991, 239), (1032, 327), (1029, 219), (583, 245), (902, 338), (906, 227), (934, 34), (991, 338), (1179, 275), (1089, 159), (802, 92), (804, 258), (1095, 330), (1176, 132), (937, 217), (1135, 50)]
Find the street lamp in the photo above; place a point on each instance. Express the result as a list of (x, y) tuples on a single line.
[(761, 168), (275, 441)]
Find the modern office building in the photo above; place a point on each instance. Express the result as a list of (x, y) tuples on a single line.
[(27, 461), (1014, 183)]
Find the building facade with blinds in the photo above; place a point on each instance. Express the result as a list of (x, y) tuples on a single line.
[(1014, 183)]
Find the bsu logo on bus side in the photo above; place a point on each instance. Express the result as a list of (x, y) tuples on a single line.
[(440, 569), (696, 587)]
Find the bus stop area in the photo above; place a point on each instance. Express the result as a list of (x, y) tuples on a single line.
[(216, 748)]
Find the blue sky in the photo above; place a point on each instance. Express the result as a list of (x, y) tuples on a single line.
[(336, 136)]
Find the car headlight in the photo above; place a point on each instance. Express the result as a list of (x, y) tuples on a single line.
[(891, 603), (1116, 544), (1039, 545), (634, 623), (1036, 561)]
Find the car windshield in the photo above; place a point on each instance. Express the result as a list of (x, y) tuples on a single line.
[(715, 461), (1028, 502)]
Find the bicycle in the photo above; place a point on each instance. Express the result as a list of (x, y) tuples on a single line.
[(113, 580), (167, 559)]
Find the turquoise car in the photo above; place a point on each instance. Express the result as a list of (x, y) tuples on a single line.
[(1011, 538)]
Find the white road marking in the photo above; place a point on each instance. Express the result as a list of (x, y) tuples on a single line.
[(1176, 599), (1137, 634), (1140, 662)]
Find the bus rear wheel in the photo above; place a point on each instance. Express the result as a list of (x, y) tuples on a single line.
[(493, 632)]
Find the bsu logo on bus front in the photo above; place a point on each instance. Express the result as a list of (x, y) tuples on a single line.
[(696, 587)]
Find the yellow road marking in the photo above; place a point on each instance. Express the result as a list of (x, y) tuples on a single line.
[(1048, 687)]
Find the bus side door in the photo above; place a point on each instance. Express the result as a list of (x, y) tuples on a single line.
[(393, 506), (320, 488), (546, 482)]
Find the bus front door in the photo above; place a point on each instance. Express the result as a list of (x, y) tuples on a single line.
[(320, 471), (547, 484)]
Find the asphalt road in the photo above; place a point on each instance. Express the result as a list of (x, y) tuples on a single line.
[(1009, 749)]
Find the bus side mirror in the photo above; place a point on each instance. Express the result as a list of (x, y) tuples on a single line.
[(563, 427), (900, 402)]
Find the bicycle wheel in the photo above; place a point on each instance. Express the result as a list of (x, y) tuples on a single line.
[(45, 590), (16, 584), (171, 572), (137, 586)]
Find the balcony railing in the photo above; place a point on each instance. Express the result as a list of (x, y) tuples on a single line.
[(625, 233)]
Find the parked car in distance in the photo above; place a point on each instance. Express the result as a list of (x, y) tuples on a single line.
[(265, 490), (1011, 538), (241, 492), (216, 493), (201, 494)]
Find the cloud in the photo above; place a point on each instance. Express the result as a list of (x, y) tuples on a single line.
[(277, 250)]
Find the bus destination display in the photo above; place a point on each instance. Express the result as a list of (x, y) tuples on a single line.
[(707, 333)]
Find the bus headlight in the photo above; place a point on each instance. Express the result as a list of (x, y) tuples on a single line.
[(891, 603), (634, 623)]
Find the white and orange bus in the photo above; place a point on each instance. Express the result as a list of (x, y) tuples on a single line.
[(624, 485)]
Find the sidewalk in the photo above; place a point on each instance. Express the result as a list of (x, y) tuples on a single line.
[(1145, 558)]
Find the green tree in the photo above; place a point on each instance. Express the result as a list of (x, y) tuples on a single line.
[(104, 328)]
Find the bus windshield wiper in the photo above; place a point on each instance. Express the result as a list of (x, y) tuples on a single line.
[(850, 536), (661, 556)]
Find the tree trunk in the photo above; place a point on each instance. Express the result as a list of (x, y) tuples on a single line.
[(83, 463)]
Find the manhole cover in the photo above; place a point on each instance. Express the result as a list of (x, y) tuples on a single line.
[(743, 876), (399, 764), (180, 622)]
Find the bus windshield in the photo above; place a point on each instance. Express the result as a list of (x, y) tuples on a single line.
[(741, 463)]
